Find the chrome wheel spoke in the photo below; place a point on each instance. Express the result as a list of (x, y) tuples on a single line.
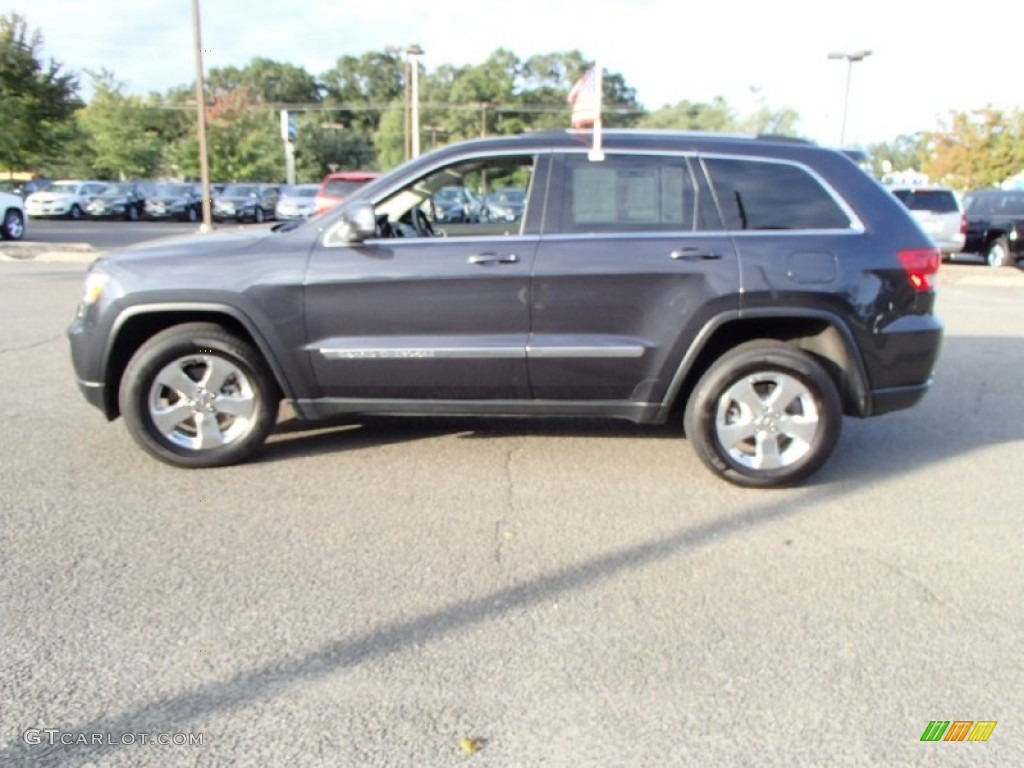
[(208, 433), (174, 378), (745, 395), (787, 389), (801, 430), (731, 435), (767, 455), (167, 419), (218, 371), (239, 406)]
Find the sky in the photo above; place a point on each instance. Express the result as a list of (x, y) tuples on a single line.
[(928, 58)]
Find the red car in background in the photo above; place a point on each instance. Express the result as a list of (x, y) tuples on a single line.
[(337, 186)]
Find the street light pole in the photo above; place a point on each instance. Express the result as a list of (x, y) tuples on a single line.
[(850, 58)]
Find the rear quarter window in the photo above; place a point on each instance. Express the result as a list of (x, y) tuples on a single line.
[(763, 195)]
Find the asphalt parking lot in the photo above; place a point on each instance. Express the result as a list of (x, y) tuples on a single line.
[(482, 593)]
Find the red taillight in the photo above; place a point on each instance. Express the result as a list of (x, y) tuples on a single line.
[(921, 265), (963, 223)]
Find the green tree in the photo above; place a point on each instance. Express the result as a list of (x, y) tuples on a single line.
[(243, 139), (363, 88), (124, 132), (904, 153), (37, 99), (269, 82), (976, 149), (693, 116), (324, 147)]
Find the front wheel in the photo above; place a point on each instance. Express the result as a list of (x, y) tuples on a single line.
[(998, 254), (75, 213), (258, 215), (195, 395), (13, 227), (764, 415)]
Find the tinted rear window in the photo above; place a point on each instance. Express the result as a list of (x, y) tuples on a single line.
[(934, 200)]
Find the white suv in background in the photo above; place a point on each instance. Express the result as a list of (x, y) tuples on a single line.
[(63, 198), (939, 212)]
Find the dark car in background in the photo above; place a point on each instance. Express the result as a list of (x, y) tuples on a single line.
[(118, 200), (456, 204), (995, 225), (505, 204), (180, 201), (335, 187), (297, 202), (245, 202), (751, 290)]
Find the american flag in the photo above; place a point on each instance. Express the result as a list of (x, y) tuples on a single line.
[(585, 98)]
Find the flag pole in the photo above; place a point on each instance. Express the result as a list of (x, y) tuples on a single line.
[(597, 153)]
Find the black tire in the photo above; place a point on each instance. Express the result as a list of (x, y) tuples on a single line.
[(770, 446), (131, 213), (75, 212), (13, 227), (192, 215), (258, 215), (167, 378), (998, 253)]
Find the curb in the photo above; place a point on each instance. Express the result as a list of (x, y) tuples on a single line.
[(77, 253)]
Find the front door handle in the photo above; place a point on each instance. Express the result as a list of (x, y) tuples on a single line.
[(493, 258), (691, 253)]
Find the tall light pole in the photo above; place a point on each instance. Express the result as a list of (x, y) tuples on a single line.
[(204, 162), (850, 57)]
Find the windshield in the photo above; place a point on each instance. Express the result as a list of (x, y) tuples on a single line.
[(935, 200), (341, 187), (117, 189), (507, 196), (172, 190), (239, 190), (63, 186), (302, 191)]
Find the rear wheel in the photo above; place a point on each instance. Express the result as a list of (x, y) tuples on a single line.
[(75, 212), (998, 253), (765, 414), (197, 396), (258, 216)]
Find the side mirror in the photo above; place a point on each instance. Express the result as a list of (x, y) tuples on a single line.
[(358, 222)]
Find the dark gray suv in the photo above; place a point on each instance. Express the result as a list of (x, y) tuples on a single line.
[(756, 289)]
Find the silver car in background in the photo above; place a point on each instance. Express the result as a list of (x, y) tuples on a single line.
[(940, 213), (298, 202)]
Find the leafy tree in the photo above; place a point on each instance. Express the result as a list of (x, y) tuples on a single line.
[(693, 116), (268, 81), (324, 147), (243, 139), (123, 131), (363, 87), (904, 153), (976, 149), (37, 99)]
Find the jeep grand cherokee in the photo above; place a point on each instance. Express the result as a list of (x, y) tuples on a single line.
[(760, 288)]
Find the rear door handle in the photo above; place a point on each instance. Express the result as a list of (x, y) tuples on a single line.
[(493, 258), (692, 253)]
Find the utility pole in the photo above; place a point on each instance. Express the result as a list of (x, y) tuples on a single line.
[(204, 162)]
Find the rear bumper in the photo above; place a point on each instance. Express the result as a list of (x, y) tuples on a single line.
[(897, 398)]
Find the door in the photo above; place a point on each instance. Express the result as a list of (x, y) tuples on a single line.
[(419, 312), (632, 263)]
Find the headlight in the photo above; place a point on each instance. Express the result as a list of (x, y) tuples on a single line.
[(95, 282)]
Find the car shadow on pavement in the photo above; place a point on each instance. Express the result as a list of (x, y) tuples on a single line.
[(295, 438)]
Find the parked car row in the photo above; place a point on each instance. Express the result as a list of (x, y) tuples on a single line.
[(183, 201), (987, 222)]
